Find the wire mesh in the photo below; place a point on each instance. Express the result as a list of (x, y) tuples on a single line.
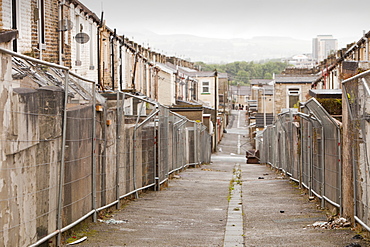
[(29, 174), (317, 165), (32, 170), (110, 151), (77, 196), (331, 185), (205, 146), (358, 101), (178, 140), (191, 144), (163, 144), (308, 151)]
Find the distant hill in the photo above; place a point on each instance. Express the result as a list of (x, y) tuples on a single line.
[(211, 50)]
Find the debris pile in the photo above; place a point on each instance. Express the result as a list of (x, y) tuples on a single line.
[(113, 221), (332, 223)]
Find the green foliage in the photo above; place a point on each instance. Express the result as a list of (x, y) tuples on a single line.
[(242, 72), (332, 106)]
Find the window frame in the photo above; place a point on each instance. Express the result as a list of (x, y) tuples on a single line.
[(208, 91)]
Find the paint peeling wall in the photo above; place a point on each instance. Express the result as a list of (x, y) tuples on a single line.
[(30, 144)]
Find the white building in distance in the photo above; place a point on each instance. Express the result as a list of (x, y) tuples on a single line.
[(322, 46), (302, 61)]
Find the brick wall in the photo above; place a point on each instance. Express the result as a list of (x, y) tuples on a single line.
[(105, 60), (51, 34), (5, 14), (281, 91), (50, 53)]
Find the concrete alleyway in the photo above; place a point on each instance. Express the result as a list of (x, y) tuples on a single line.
[(265, 208)]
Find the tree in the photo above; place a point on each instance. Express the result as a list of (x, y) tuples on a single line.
[(242, 72), (242, 77)]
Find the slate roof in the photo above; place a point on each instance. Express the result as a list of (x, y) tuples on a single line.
[(242, 90), (207, 74), (295, 79), (326, 93), (260, 81)]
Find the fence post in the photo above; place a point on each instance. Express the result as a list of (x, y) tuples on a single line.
[(93, 163), (323, 164), (103, 182), (135, 149), (156, 160), (62, 162), (118, 146), (340, 171), (310, 133)]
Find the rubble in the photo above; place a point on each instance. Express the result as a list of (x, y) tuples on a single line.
[(113, 221), (332, 223)]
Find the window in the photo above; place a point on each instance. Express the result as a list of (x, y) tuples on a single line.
[(205, 87), (293, 97)]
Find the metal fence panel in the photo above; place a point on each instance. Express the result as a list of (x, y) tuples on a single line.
[(77, 196), (205, 146), (317, 165), (358, 100), (308, 151), (163, 143), (331, 188), (57, 173), (29, 174)]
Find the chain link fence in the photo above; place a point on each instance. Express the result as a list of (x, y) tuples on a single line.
[(357, 94), (305, 145), (61, 165)]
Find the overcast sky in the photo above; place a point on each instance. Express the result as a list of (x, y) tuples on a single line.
[(300, 19)]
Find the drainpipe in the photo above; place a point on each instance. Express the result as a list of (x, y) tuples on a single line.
[(366, 47), (113, 69), (134, 71), (39, 31), (98, 50), (60, 32), (121, 63), (14, 23)]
